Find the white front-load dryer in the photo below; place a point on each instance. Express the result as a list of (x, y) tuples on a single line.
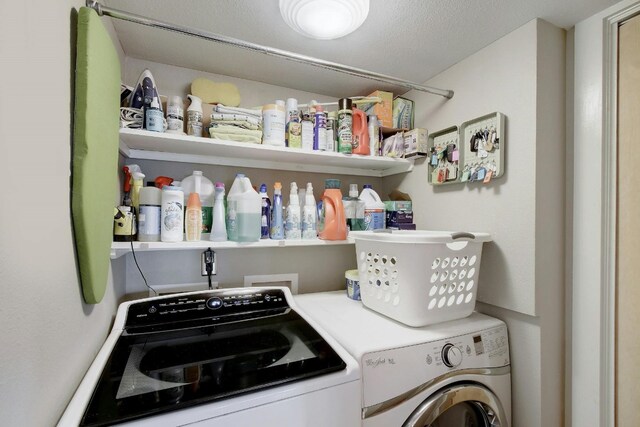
[(452, 374)]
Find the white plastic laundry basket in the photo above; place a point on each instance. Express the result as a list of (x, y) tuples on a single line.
[(419, 277)]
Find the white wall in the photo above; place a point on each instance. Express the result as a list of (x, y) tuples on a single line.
[(49, 336), (522, 278)]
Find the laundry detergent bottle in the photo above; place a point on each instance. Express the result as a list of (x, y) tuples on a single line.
[(333, 225), (265, 216), (245, 203), (360, 133)]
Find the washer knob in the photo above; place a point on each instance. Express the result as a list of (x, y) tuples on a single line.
[(451, 355)]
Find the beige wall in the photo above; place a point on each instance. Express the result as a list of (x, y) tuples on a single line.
[(628, 228), (49, 336), (522, 277)]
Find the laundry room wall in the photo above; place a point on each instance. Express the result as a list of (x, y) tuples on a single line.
[(521, 75), (310, 263), (49, 335)]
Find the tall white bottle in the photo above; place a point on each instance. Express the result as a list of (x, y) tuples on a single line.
[(292, 230), (309, 215), (172, 214), (218, 228)]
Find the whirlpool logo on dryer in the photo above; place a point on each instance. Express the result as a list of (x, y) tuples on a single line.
[(379, 361)]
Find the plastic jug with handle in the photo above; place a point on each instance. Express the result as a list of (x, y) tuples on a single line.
[(332, 223), (244, 205), (360, 133)]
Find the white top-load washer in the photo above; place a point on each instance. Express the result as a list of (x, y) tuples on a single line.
[(455, 373), (232, 357)]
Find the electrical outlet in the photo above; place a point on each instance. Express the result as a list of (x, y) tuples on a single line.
[(203, 264)]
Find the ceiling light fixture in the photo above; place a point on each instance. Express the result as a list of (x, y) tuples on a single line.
[(324, 19)]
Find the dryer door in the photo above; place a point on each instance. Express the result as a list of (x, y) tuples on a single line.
[(459, 405)]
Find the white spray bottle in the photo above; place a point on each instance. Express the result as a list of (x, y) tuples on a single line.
[(292, 217), (309, 215), (194, 116)]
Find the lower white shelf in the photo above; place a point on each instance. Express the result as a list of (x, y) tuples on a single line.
[(119, 249)]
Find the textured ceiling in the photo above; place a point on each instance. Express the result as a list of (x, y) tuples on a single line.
[(409, 39)]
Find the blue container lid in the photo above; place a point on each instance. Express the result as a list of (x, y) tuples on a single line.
[(331, 183)]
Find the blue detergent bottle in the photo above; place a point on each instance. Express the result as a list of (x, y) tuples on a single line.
[(265, 216)]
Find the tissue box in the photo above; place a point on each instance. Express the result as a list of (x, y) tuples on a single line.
[(416, 142), (393, 146), (403, 113), (384, 109), (397, 205)]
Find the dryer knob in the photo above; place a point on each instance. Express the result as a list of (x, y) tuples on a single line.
[(451, 355)]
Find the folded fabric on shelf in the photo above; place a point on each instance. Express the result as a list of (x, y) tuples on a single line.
[(234, 133), (243, 124), (229, 117), (238, 110)]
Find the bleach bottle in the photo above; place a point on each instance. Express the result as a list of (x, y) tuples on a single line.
[(373, 209)]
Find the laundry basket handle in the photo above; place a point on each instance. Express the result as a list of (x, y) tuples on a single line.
[(462, 235)]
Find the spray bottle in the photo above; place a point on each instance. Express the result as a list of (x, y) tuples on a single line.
[(292, 224), (137, 178), (218, 228), (154, 117), (265, 219), (309, 215), (194, 116), (277, 227)]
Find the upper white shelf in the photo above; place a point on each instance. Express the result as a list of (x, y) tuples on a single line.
[(119, 249), (141, 144)]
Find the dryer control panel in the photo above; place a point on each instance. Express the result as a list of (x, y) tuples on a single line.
[(390, 373)]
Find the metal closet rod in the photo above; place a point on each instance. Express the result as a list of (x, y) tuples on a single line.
[(279, 53)]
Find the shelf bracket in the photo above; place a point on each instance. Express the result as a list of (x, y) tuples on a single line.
[(279, 53)]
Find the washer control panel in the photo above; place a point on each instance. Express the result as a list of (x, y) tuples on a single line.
[(212, 305)]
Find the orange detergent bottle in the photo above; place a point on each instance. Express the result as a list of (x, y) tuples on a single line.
[(332, 222), (360, 133)]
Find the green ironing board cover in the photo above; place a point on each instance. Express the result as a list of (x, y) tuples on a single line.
[(95, 152)]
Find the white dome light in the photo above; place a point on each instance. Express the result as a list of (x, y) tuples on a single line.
[(324, 19)]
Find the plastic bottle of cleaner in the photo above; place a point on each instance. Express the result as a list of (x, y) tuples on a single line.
[(345, 126), (309, 215), (307, 132), (247, 204), (197, 183), (193, 218), (277, 227), (154, 117), (273, 124), (292, 229), (360, 133), (149, 214), (354, 209), (374, 209), (320, 129), (172, 216), (175, 115), (331, 131), (332, 220), (265, 218), (194, 116), (137, 180), (218, 229)]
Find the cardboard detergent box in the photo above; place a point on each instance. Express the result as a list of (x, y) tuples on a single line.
[(416, 142), (383, 110)]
